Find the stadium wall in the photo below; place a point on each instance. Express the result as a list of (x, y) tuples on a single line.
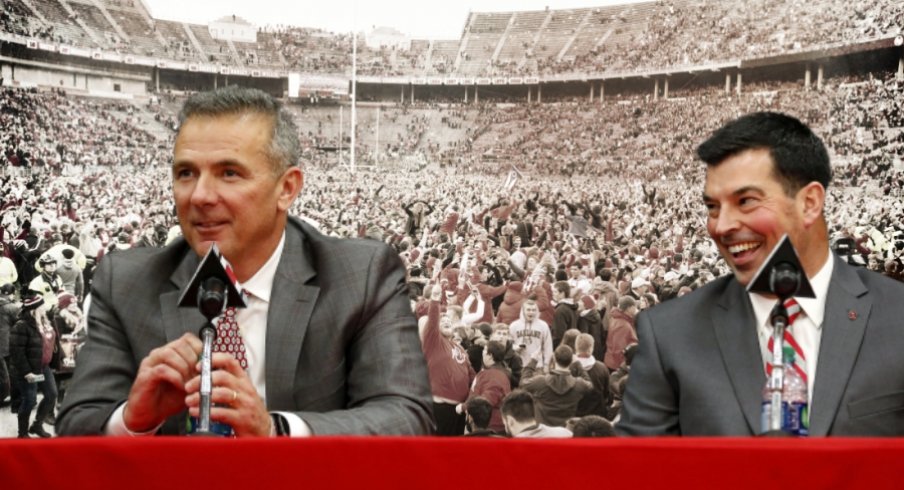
[(71, 78)]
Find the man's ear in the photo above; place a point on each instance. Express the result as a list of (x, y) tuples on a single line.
[(291, 183), (811, 201)]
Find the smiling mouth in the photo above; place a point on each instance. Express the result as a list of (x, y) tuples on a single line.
[(740, 252)]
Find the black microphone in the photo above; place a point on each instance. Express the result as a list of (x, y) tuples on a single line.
[(212, 295), (782, 274), (784, 279)]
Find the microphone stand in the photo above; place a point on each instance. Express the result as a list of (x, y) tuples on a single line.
[(211, 304), (779, 320), (784, 282), (208, 336)]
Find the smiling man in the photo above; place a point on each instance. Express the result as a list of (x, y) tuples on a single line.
[(329, 342), (700, 368)]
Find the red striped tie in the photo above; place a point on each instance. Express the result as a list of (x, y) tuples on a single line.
[(800, 361)]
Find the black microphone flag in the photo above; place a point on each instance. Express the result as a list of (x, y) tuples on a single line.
[(782, 260), (213, 265)]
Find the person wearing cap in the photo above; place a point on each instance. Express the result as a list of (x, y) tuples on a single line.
[(32, 343), (48, 284)]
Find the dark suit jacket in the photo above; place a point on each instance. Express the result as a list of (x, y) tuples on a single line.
[(342, 349), (699, 370)]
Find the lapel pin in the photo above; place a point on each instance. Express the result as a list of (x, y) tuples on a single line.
[(852, 315)]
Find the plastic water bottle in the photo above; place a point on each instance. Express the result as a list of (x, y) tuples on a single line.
[(770, 393), (795, 406)]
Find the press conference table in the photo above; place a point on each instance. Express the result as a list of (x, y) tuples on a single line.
[(437, 463)]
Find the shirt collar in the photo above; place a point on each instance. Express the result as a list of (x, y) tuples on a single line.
[(814, 308), (261, 283)]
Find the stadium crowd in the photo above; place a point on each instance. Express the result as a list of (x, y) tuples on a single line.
[(525, 281), (667, 33)]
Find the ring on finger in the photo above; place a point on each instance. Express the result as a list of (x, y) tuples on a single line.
[(235, 396)]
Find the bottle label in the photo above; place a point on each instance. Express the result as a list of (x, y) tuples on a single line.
[(796, 418), (215, 427)]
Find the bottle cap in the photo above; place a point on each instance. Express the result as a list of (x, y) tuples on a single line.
[(788, 354)]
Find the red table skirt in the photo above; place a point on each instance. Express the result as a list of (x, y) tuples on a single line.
[(436, 463)]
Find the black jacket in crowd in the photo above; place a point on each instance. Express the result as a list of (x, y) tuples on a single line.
[(26, 346)]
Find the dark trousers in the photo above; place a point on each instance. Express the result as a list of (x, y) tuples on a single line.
[(29, 393), (448, 423)]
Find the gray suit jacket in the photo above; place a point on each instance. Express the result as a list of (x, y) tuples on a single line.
[(342, 349), (699, 370)]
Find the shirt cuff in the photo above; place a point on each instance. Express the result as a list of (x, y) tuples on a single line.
[(116, 426), (297, 426)]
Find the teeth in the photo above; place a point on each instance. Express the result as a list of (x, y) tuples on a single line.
[(741, 247)]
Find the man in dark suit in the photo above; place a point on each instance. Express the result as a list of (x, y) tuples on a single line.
[(700, 369), (331, 343)]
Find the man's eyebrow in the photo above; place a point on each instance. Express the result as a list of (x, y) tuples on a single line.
[(737, 192)]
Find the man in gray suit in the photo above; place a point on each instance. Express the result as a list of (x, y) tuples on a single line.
[(700, 369), (331, 342)]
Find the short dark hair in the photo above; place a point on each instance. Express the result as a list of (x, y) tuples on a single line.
[(480, 410), (485, 328), (799, 156), (519, 405), (563, 287), (593, 426), (563, 355), (496, 350)]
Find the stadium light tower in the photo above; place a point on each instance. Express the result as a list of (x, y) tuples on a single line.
[(354, 85)]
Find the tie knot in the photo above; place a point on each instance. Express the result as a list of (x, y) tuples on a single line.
[(793, 309)]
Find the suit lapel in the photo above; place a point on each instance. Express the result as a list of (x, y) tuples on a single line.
[(178, 321), (736, 335), (291, 305), (842, 334)]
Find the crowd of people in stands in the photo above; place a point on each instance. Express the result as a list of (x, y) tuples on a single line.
[(525, 288), (671, 33)]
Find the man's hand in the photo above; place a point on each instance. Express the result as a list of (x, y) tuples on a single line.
[(30, 377), (159, 388), (234, 401)]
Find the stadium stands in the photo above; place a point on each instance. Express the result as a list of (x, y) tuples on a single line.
[(612, 39)]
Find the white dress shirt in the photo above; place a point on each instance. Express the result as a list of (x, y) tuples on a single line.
[(252, 322), (807, 328)]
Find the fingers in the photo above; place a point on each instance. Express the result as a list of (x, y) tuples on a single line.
[(220, 362), (234, 400), (159, 388), (181, 355)]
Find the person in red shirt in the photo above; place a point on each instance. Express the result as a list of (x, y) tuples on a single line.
[(450, 370), (493, 382)]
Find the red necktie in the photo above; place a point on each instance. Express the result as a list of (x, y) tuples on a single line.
[(229, 338), (800, 360)]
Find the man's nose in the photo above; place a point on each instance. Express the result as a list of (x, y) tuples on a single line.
[(726, 222), (205, 192)]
